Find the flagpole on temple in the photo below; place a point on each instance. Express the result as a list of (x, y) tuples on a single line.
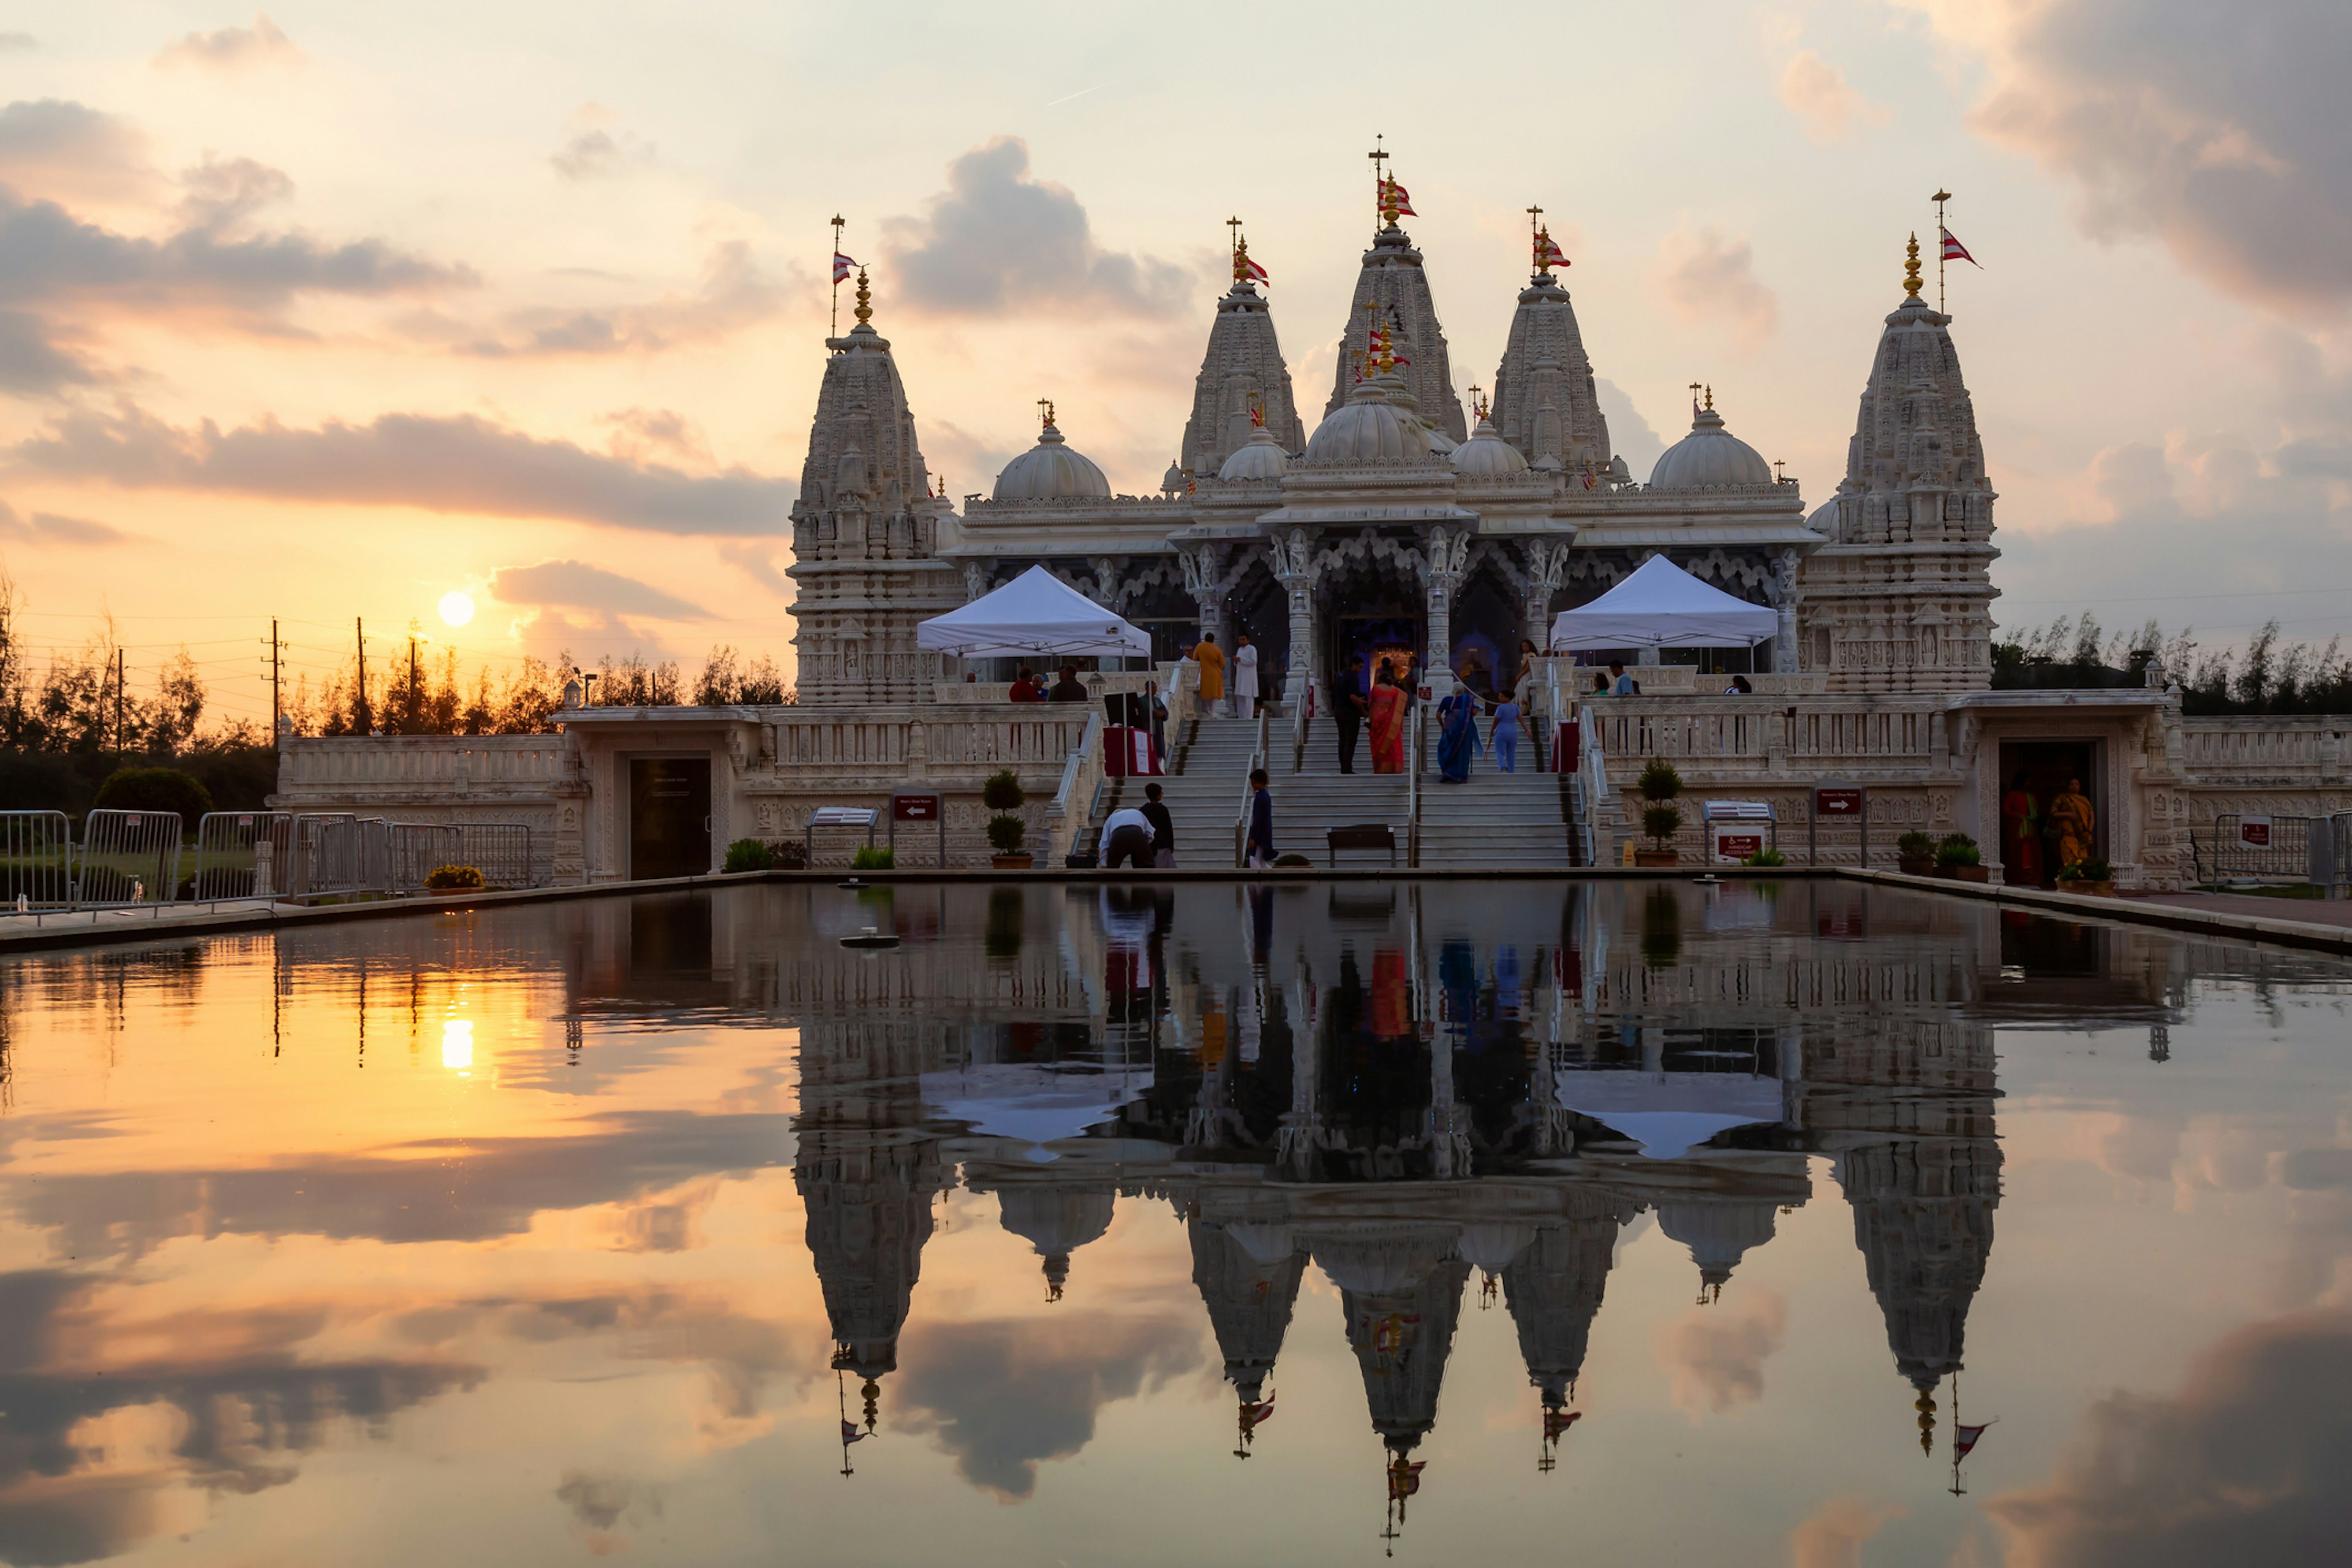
[(1941, 196), (835, 332)]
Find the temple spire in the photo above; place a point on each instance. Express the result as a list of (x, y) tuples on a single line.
[(1911, 283)]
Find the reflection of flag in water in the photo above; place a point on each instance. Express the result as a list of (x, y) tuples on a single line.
[(1404, 1479), (1390, 1013), (1255, 1416), (850, 1434), (1965, 1438), (1558, 1421)]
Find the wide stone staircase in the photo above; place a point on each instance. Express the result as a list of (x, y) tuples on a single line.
[(1493, 819)]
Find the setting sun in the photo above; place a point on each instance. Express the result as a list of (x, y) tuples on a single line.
[(456, 609)]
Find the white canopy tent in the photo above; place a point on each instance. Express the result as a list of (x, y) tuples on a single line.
[(1662, 605), (1036, 613)]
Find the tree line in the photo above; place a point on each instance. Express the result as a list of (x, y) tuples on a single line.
[(2269, 675)]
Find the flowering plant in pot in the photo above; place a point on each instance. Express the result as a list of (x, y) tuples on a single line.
[(1914, 854), (1959, 858), (2094, 877), (1002, 794), (1661, 818)]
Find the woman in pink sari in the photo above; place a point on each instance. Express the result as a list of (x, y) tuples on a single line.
[(1388, 723)]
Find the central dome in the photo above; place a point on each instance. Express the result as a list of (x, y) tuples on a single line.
[(1486, 455), (1709, 457), (1051, 471), (1369, 428)]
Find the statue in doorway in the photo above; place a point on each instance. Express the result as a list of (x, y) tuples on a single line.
[(2072, 819)]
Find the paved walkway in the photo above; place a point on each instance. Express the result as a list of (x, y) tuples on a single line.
[(2308, 911)]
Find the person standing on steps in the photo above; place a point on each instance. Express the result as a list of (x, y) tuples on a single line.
[(1348, 707), (1163, 829), (1244, 677), (1212, 660), (1258, 848), (1506, 733), (1388, 722), (1457, 736)]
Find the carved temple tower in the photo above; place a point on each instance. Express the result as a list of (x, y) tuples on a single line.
[(1545, 402), (1247, 1274), (865, 533), (1901, 599), (1243, 366), (1392, 297)]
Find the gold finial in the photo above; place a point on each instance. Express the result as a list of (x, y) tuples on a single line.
[(1911, 269), (1478, 403), (1778, 476), (865, 312), (1926, 1405), (1256, 411), (1047, 404), (1710, 399)]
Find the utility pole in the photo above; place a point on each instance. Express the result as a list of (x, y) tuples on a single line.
[(118, 705), (416, 703), (359, 715), (276, 709)]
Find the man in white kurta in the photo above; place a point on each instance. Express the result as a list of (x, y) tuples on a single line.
[(1244, 677)]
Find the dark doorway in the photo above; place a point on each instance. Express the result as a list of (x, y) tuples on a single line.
[(1393, 637), (2033, 775), (669, 816)]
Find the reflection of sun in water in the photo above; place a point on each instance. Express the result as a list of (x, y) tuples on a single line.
[(456, 607), (457, 1044)]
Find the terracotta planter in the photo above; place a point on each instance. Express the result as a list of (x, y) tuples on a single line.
[(1656, 856), (1021, 861), (1917, 865), (1966, 873)]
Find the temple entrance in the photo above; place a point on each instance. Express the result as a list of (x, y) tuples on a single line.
[(1393, 637), (2039, 772), (669, 816)]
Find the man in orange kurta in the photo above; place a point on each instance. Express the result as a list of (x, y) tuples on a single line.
[(1212, 660)]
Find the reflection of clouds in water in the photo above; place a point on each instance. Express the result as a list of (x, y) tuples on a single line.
[(600, 1504), (404, 1194), (1716, 1354), (1000, 1396), (1831, 1536), (2245, 1466), (222, 1407)]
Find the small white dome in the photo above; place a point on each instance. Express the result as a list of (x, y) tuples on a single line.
[(1709, 457), (1051, 471), (1369, 428), (1172, 480), (1261, 457), (1824, 519), (1486, 455)]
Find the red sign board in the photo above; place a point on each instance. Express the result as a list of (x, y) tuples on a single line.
[(1837, 803), (914, 808), (1736, 845), (2253, 832)]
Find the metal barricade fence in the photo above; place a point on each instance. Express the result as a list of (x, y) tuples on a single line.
[(233, 850), (128, 857), (37, 849), (503, 852), (335, 852), (2276, 848)]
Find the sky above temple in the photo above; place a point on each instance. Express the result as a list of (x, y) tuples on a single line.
[(335, 309)]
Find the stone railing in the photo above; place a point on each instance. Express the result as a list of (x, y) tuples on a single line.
[(402, 763), (1684, 680), (1072, 808), (1099, 686), (2242, 752)]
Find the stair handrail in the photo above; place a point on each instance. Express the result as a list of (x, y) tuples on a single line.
[(1300, 713), (1601, 812), (1080, 775), (1412, 787), (1241, 821), (1557, 719)]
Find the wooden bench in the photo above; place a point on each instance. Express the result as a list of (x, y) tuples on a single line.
[(1363, 836)]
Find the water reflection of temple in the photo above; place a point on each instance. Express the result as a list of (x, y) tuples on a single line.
[(1407, 1088)]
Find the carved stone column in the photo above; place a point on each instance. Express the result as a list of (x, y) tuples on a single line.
[(1294, 565), (1204, 581), (1449, 551), (1781, 592), (1547, 570)]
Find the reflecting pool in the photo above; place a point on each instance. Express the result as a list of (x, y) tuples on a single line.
[(1445, 1223)]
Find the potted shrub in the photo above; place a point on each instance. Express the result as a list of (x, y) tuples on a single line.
[(2094, 878), (788, 854), (873, 858), (1766, 857), (454, 878), (1002, 794), (1914, 854), (1661, 818), (1959, 858), (748, 855)]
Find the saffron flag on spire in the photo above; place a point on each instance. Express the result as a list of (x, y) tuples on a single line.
[(842, 268), (1955, 251), (1256, 273), (1547, 252), (1395, 200)]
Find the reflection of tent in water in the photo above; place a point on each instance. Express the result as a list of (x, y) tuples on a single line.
[(1719, 1232), (1671, 1113), (1037, 1103)]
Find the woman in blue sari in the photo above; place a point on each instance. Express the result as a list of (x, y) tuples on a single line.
[(1457, 736)]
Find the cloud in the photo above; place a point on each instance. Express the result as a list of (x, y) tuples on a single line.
[(2219, 130), (1833, 1535), (233, 49), (997, 239), (599, 1504), (48, 528), (759, 563), (54, 147), (1716, 1356), (1635, 440), (2243, 1466), (598, 154), (735, 292), (1823, 102), (30, 362), (451, 464), (12, 42), (1708, 276), (1000, 1396), (639, 433), (575, 584)]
